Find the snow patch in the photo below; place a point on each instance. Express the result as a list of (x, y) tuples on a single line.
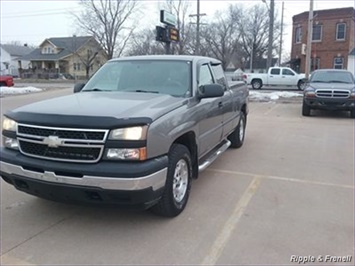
[(272, 96), (17, 90)]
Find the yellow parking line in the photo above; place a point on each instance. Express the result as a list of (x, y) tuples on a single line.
[(281, 178), (223, 238)]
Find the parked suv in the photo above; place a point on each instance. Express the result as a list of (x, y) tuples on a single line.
[(329, 89)]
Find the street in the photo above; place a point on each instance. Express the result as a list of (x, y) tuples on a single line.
[(287, 194)]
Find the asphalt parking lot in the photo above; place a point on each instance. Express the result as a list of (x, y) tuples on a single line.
[(285, 197)]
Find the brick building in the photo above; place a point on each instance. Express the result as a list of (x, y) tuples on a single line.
[(332, 39)]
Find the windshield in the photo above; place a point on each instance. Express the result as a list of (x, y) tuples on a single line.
[(332, 77), (153, 76)]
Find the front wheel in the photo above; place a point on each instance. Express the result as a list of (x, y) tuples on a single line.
[(306, 110), (178, 183), (237, 136)]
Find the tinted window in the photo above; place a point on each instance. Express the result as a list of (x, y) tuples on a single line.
[(332, 77), (287, 72), (275, 71)]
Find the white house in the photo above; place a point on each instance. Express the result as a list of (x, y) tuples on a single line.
[(351, 61), (10, 59)]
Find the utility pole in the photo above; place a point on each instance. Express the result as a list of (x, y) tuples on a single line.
[(282, 26), (271, 32), (309, 40), (198, 15)]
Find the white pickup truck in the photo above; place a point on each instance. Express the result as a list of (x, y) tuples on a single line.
[(276, 76)]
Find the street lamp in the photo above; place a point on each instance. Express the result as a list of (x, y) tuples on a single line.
[(271, 31)]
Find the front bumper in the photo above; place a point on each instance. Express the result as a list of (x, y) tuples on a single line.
[(126, 183), (330, 104)]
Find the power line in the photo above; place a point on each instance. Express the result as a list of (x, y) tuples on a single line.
[(37, 14)]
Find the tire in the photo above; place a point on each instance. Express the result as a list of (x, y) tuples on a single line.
[(352, 114), (3, 84), (237, 136), (256, 84), (306, 110), (300, 85), (178, 183)]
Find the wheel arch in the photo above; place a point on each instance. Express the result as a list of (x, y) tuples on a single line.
[(189, 140)]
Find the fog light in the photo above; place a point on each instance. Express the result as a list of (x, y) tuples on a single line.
[(10, 143), (126, 154)]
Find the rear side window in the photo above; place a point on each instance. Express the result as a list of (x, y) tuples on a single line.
[(275, 71)]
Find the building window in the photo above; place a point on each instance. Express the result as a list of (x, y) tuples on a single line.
[(317, 33), (315, 63), (338, 62), (340, 35), (298, 36)]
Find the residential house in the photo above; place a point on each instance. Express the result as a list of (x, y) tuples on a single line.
[(332, 39), (77, 56), (10, 61)]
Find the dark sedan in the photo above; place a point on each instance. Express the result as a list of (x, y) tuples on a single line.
[(329, 89)]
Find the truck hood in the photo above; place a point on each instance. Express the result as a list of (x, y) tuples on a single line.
[(331, 86), (86, 108)]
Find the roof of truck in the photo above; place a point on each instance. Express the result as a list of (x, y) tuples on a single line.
[(167, 57)]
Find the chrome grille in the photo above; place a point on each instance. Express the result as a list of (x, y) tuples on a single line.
[(62, 144), (340, 94)]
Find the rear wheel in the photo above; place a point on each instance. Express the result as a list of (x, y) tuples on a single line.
[(237, 136), (256, 84), (178, 183), (306, 110), (301, 84), (2, 84)]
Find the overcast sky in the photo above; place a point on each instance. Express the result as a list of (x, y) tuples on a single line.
[(33, 21)]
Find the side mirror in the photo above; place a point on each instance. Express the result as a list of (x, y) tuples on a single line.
[(78, 87), (210, 91)]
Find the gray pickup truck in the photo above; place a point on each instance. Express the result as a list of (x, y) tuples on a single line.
[(135, 134)]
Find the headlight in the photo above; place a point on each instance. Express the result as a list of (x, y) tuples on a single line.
[(9, 124), (129, 133), (310, 94)]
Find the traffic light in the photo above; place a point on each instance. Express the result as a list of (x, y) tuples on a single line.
[(174, 34), (161, 34)]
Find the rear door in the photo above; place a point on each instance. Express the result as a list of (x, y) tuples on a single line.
[(229, 101), (274, 76), (210, 114)]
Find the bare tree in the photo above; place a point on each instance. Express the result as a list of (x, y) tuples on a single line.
[(107, 21), (143, 43), (221, 38)]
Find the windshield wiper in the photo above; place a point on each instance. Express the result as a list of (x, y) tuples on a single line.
[(96, 89), (145, 91), (338, 81)]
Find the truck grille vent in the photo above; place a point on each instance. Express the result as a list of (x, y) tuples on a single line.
[(61, 133), (340, 94), (62, 144)]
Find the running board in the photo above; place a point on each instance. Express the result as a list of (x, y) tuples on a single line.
[(213, 155)]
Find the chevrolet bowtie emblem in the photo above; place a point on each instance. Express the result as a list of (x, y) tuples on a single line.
[(53, 141)]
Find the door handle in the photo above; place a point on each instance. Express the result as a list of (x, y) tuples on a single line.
[(220, 105)]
